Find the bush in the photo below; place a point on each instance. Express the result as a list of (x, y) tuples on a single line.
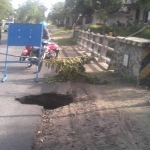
[(145, 34), (122, 30), (96, 28), (128, 30), (66, 41), (99, 29)]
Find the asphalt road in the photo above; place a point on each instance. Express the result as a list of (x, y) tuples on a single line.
[(18, 122)]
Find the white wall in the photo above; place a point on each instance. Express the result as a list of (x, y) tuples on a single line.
[(121, 17), (118, 17)]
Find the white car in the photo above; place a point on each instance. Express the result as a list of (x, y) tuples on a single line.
[(6, 26)]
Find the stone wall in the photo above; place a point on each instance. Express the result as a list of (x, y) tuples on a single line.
[(129, 56), (132, 67)]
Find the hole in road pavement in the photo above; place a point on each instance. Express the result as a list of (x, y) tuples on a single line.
[(47, 100)]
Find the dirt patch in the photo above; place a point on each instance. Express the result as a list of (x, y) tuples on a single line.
[(115, 116), (101, 117)]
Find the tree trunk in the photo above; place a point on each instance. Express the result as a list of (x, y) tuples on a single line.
[(74, 25), (104, 27)]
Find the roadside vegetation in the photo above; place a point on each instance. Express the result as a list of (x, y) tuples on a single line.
[(61, 31), (72, 69), (66, 41), (6, 9), (122, 30)]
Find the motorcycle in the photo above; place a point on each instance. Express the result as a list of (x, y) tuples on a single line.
[(26, 52), (50, 50)]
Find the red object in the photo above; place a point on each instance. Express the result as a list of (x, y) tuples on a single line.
[(53, 46), (28, 47), (50, 47), (27, 50)]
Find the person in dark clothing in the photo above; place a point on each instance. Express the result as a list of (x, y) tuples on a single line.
[(46, 35)]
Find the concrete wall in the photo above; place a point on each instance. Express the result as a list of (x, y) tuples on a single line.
[(132, 57), (128, 59)]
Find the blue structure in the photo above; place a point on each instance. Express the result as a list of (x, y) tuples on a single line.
[(23, 35)]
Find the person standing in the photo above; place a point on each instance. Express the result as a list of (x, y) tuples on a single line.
[(46, 34)]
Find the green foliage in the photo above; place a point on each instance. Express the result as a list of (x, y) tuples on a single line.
[(57, 13), (5, 8), (105, 7), (66, 41), (128, 30), (62, 32), (32, 11), (55, 17), (95, 28), (145, 34), (72, 69), (99, 29), (76, 7), (58, 7), (144, 4), (122, 30)]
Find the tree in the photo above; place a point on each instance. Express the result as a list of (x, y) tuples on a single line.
[(77, 9), (144, 4), (5, 8), (57, 14), (58, 7), (31, 12), (88, 7), (106, 7)]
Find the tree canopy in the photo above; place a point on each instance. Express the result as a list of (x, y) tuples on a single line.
[(57, 13), (5, 8), (31, 11), (144, 4), (89, 7), (106, 7)]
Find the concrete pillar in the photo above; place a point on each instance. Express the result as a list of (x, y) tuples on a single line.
[(83, 21)]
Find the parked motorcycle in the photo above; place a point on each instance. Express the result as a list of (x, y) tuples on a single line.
[(50, 50), (26, 52), (34, 56)]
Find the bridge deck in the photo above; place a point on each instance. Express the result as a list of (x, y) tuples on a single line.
[(73, 51)]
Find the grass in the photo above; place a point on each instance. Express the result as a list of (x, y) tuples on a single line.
[(66, 41), (61, 31)]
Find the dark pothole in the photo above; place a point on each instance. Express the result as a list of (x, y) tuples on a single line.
[(47, 100)]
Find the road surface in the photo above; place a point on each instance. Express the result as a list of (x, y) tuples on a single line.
[(18, 122)]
